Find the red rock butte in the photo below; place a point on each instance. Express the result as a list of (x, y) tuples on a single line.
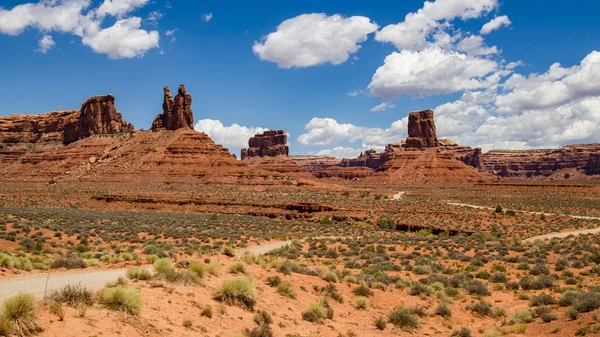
[(267, 144), (177, 113)]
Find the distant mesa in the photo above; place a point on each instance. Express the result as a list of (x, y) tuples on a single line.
[(267, 144), (177, 113), (97, 116)]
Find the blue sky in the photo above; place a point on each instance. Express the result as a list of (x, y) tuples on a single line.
[(300, 78)]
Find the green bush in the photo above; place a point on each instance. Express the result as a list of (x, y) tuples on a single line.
[(18, 316), (286, 289), (139, 274), (273, 281), (330, 276), (315, 313), (380, 323), (239, 290), (123, 299), (361, 303), (197, 268), (523, 316), (229, 251), (403, 318), (162, 265), (237, 267), (214, 268), (72, 295), (443, 310), (460, 332)]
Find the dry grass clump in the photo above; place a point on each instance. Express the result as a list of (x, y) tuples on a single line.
[(239, 290), (18, 316), (123, 299)]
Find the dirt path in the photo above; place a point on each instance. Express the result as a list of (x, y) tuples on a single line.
[(265, 248), (549, 235), (398, 195), (92, 279), (36, 283)]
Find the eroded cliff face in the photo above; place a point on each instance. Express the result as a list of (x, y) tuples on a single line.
[(177, 113), (267, 144), (421, 130), (98, 115), (542, 163)]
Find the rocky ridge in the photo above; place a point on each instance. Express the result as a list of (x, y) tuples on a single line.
[(267, 144)]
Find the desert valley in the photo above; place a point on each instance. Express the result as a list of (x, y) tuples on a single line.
[(177, 237)]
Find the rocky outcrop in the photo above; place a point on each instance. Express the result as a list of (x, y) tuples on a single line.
[(347, 173), (421, 130), (373, 159), (98, 115), (316, 163), (542, 163), (177, 113), (266, 144)]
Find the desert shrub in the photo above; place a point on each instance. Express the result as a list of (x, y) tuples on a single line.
[(18, 316), (443, 310), (286, 289), (543, 299), (123, 299), (361, 303), (380, 323), (523, 266), (262, 317), (379, 285), (183, 276), (326, 221), (314, 314), (587, 302), (403, 318), (239, 290), (475, 287), (68, 262), (237, 267), (498, 209), (419, 289), (330, 291), (492, 333), (206, 311), (498, 278), (197, 268), (263, 330), (330, 276), (139, 274), (386, 222), (485, 309), (72, 295), (362, 290), (350, 279), (512, 285), (228, 251), (548, 317), (460, 332), (568, 298), (523, 316), (273, 281), (214, 268), (162, 265)]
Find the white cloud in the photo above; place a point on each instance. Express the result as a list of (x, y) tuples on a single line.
[(173, 39), (314, 39), (124, 39), (383, 106), (327, 131), (154, 17), (355, 93), (208, 17), (417, 28), (119, 8), (475, 46), (342, 152), (46, 43), (497, 23), (233, 136), (171, 32), (556, 87), (44, 15), (429, 72)]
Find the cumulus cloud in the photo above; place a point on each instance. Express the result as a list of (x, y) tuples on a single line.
[(355, 93), (124, 39), (418, 28), (314, 39), (207, 17), (497, 23), (430, 72), (328, 131), (474, 45), (233, 136), (171, 32), (556, 87), (383, 106), (341, 152), (46, 43), (119, 8)]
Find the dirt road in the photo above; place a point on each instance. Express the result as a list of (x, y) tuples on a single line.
[(92, 279), (549, 235), (398, 195)]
